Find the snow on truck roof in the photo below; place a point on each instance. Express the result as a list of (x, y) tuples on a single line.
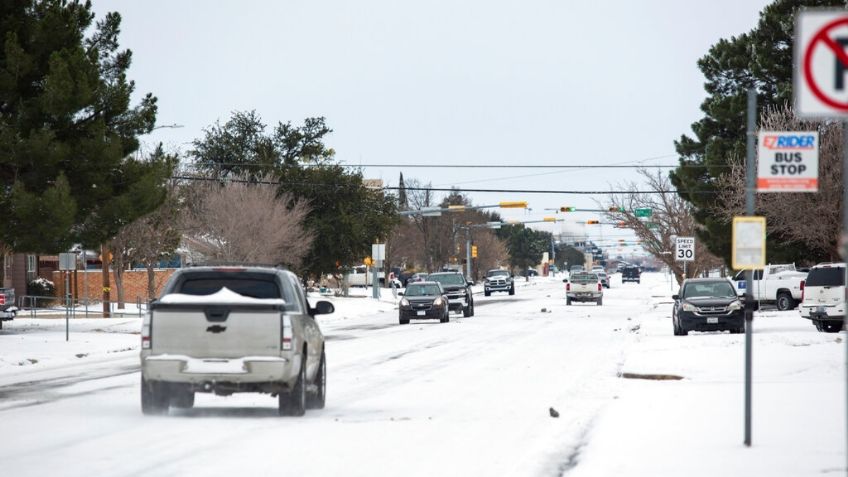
[(222, 296)]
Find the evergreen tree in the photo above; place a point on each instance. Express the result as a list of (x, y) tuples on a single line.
[(67, 129), (761, 58)]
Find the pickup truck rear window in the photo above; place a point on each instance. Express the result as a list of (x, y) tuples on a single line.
[(250, 287), (826, 277), (584, 278)]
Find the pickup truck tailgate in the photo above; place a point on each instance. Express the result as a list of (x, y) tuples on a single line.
[(216, 332)]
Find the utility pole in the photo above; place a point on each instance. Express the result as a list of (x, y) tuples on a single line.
[(468, 253), (749, 274)]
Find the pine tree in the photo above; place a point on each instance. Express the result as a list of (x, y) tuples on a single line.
[(67, 130), (403, 202)]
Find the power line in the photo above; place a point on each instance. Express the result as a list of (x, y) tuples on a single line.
[(442, 189), (470, 166)]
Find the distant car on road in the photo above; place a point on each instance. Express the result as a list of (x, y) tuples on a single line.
[(498, 281), (631, 274), (415, 278), (424, 301), (824, 297), (575, 269), (583, 287), (457, 289), (707, 304)]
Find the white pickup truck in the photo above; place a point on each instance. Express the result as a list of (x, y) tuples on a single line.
[(582, 287), (225, 330), (781, 284), (361, 276)]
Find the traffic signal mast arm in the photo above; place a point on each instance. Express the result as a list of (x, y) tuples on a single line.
[(435, 211)]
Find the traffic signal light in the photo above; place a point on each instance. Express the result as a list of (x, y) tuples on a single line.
[(473, 251), (566, 209), (592, 222), (616, 209), (513, 205), (621, 225)]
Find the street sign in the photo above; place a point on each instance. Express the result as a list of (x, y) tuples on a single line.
[(684, 249), (67, 261), (749, 243), (788, 161), (821, 63), (643, 212), (378, 252)]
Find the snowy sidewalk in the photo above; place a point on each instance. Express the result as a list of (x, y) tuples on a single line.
[(695, 426)]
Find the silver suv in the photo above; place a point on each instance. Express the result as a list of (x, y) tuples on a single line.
[(823, 298)]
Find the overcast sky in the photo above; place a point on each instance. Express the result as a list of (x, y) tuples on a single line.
[(474, 82)]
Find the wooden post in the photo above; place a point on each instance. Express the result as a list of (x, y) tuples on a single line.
[(105, 257)]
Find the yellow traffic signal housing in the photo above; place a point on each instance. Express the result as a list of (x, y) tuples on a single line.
[(592, 222), (473, 251), (513, 205)]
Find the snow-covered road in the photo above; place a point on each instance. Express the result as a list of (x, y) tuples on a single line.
[(470, 397)]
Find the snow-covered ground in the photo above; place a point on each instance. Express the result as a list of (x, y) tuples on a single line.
[(470, 397)]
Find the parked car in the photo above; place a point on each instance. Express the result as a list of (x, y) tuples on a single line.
[(362, 276), (602, 275), (782, 285), (583, 287), (707, 304), (424, 301), (575, 269), (457, 289), (225, 330), (498, 281), (823, 300), (415, 278), (631, 274), (8, 310)]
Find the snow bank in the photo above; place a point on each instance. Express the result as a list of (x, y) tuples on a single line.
[(224, 296)]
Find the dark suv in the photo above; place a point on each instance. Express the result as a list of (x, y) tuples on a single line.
[(457, 289), (423, 301), (631, 274), (707, 304)]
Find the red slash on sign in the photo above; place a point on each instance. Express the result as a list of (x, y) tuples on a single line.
[(822, 37)]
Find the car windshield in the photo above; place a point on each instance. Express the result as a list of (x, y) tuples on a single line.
[(250, 287), (448, 279), (826, 277), (422, 290), (498, 273), (708, 289)]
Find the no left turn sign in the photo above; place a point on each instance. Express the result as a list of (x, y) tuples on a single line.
[(821, 63)]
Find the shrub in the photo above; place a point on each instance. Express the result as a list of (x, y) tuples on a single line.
[(41, 287)]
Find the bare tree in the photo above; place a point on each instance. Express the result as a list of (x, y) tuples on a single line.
[(248, 222), (491, 251), (811, 219), (671, 217)]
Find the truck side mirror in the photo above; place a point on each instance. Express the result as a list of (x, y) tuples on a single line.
[(322, 308), (675, 297)]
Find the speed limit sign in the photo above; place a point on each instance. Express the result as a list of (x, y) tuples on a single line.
[(684, 249)]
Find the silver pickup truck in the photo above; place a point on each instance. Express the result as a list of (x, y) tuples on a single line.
[(224, 330)]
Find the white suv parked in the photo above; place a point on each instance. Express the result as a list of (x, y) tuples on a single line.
[(823, 300)]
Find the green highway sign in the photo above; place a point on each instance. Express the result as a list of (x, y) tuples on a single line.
[(643, 212)]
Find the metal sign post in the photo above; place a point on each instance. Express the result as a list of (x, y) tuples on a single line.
[(749, 274), (67, 263)]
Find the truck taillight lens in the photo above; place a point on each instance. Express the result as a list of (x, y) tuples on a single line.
[(803, 282), (600, 287), (567, 287), (2, 299), (286, 343), (145, 336)]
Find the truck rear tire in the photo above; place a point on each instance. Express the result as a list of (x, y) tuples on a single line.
[(785, 301), (600, 301), (512, 290), (182, 398), (293, 403), (154, 397), (318, 399), (568, 301)]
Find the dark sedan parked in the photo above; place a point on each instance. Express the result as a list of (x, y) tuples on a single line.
[(424, 301), (707, 304)]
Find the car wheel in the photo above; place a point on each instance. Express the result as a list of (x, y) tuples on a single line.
[(404, 321), (568, 301), (183, 398), (832, 327), (317, 399), (600, 301), (512, 290), (466, 312), (293, 403), (154, 397), (487, 293), (785, 301)]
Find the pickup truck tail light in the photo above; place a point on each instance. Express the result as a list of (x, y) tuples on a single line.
[(803, 282), (568, 287), (286, 343), (145, 336), (600, 287)]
